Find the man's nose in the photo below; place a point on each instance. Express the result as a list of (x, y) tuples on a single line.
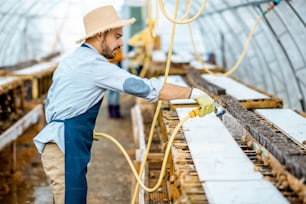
[(121, 43)]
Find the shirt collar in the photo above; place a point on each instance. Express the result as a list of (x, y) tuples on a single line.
[(89, 46)]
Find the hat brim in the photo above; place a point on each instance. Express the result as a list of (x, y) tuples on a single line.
[(117, 24)]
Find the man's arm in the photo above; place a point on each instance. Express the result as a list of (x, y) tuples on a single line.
[(172, 91)]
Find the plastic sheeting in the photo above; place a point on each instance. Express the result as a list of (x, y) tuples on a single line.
[(33, 29), (275, 61), (276, 58)]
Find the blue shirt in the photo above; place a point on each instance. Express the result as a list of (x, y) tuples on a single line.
[(79, 82)]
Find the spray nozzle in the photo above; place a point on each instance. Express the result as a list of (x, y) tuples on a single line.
[(219, 110)]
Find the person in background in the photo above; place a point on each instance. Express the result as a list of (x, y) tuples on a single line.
[(73, 101), (211, 58), (113, 96), (142, 44)]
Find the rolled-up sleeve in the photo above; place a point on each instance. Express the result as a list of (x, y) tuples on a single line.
[(109, 76)]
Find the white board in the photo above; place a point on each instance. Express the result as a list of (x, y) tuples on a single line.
[(226, 173), (242, 192), (287, 121), (234, 88)]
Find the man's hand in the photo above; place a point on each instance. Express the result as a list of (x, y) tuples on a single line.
[(204, 100)]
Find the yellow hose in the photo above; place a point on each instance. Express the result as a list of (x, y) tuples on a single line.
[(146, 65), (193, 113), (153, 25), (188, 7), (164, 164), (185, 21), (241, 57), (157, 108)]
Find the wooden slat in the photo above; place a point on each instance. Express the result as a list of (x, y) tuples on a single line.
[(37, 78), (214, 151), (8, 83), (37, 70), (288, 121), (283, 148), (21, 125), (254, 191), (234, 88), (221, 163)]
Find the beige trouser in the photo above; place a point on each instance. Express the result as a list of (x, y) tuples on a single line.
[(53, 161)]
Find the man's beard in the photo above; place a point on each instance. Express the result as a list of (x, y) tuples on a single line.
[(107, 52)]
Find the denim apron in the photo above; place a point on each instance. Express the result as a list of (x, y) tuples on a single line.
[(78, 141)]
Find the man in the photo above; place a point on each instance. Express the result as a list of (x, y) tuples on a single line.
[(74, 98)]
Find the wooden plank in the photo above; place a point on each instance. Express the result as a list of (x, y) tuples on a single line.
[(234, 88), (9, 83), (285, 181), (140, 146), (37, 70), (6, 80), (221, 164), (214, 151), (138, 131), (194, 78), (288, 121), (243, 192), (287, 152), (199, 66), (183, 182), (21, 125)]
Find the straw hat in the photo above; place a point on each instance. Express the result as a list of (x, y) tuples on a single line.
[(102, 19)]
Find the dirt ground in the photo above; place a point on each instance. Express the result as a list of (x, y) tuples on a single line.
[(109, 176)]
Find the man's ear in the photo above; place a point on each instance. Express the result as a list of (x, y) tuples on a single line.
[(99, 36), (102, 36)]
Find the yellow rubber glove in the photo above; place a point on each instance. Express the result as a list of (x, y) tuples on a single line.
[(204, 100)]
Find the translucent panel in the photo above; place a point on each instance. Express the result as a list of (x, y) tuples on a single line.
[(6, 6), (275, 52), (299, 8), (25, 7), (294, 54), (275, 60)]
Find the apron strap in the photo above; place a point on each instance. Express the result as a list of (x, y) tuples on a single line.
[(84, 45), (56, 121)]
